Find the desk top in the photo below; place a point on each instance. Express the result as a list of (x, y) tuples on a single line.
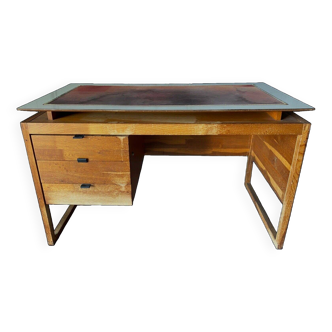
[(226, 97)]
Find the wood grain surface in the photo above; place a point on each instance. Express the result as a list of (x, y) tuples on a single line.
[(273, 156), (95, 148), (97, 194), (197, 145)]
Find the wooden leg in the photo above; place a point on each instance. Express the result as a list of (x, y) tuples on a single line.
[(64, 220), (265, 218), (51, 234), (273, 173), (293, 180), (247, 182)]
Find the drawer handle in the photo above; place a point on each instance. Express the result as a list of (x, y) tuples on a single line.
[(82, 160), (85, 186), (78, 136)]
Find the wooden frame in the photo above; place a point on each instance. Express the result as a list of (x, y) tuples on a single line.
[(276, 146), (288, 196)]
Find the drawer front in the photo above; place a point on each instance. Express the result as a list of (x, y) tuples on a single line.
[(95, 148), (69, 172), (97, 194), (109, 182)]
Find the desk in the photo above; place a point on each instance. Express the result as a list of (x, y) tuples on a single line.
[(87, 142)]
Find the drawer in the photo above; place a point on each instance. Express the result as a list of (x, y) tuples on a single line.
[(56, 172), (97, 194), (95, 148), (110, 182)]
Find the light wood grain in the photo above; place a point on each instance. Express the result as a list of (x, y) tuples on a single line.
[(265, 218), (97, 194), (290, 125), (166, 129), (63, 221), (279, 158), (276, 115), (275, 145), (92, 172), (272, 155), (95, 148), (197, 145), (160, 117), (294, 176)]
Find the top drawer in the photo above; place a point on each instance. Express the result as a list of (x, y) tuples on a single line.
[(95, 148)]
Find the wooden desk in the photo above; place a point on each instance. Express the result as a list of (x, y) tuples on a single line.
[(87, 142)]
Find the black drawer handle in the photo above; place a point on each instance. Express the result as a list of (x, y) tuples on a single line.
[(82, 160), (85, 186), (78, 136)]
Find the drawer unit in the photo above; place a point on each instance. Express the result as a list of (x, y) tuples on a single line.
[(100, 163)]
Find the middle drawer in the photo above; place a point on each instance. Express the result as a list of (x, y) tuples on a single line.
[(54, 172)]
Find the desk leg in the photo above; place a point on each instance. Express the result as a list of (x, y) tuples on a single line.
[(281, 165), (52, 234)]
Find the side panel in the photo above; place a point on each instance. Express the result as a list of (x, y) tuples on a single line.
[(273, 156)]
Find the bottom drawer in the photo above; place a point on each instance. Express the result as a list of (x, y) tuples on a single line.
[(97, 194)]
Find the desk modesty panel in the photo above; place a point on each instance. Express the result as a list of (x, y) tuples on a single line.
[(87, 142)]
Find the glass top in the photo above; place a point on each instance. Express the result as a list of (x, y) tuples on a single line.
[(166, 97)]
